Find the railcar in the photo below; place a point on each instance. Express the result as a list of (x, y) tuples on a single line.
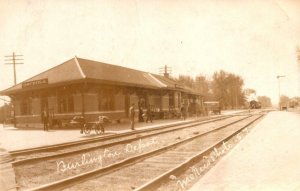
[(255, 104)]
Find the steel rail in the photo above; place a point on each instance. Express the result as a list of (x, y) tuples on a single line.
[(163, 178), (61, 184), (17, 163), (108, 137), (102, 138)]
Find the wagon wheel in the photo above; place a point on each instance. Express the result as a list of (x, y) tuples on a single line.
[(87, 129), (97, 128)]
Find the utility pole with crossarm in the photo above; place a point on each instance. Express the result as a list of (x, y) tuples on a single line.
[(12, 60)]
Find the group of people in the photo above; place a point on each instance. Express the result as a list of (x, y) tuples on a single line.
[(142, 115), (148, 114)]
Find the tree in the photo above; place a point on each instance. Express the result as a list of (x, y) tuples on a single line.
[(284, 101), (227, 88), (295, 102), (201, 84), (235, 84), (219, 88), (250, 94), (265, 101), (186, 80)]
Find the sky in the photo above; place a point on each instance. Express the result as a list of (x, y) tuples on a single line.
[(254, 39)]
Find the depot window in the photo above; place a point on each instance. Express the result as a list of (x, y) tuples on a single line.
[(25, 106), (171, 100), (65, 103), (105, 101)]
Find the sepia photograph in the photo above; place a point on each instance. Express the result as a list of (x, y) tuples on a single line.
[(150, 95)]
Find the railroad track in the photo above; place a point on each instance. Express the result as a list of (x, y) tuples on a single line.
[(56, 147), (195, 165), (137, 165), (45, 151), (22, 157), (41, 172)]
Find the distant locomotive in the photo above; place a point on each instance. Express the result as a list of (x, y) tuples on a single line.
[(255, 104)]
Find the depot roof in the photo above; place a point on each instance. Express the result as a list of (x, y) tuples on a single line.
[(80, 70)]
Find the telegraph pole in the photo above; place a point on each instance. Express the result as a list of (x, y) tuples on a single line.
[(12, 60), (166, 71)]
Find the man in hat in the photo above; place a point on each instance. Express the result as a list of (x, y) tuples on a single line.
[(131, 116), (45, 118)]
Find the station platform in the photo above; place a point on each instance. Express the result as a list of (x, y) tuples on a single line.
[(266, 159), (17, 138)]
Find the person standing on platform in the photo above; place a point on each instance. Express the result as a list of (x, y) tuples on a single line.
[(149, 114), (140, 107), (81, 121), (131, 116), (183, 111), (45, 118)]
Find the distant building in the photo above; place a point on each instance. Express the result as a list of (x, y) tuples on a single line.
[(89, 88)]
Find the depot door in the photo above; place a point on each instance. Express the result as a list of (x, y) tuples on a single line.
[(127, 102)]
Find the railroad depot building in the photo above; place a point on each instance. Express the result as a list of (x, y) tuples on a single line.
[(89, 88)]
